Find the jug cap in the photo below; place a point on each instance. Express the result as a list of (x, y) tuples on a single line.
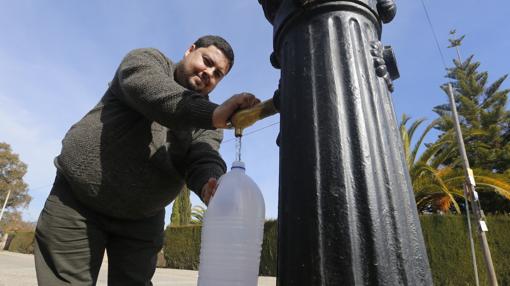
[(238, 165)]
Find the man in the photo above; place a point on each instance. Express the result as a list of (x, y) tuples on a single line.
[(153, 131)]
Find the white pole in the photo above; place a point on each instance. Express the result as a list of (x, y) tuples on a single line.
[(5, 203), (475, 203)]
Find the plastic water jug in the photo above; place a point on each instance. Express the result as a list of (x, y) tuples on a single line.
[(232, 232)]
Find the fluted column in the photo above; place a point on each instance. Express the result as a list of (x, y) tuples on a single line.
[(347, 214)]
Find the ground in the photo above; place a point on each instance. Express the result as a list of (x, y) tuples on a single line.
[(17, 269)]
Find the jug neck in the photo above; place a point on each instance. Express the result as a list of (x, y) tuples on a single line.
[(238, 165)]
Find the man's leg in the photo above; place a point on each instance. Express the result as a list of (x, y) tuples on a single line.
[(132, 250), (69, 247)]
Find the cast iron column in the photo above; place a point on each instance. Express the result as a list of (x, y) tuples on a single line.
[(347, 214)]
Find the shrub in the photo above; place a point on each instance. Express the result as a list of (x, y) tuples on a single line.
[(268, 254), (22, 242), (182, 246)]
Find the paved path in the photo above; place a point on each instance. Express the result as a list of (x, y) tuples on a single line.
[(17, 269)]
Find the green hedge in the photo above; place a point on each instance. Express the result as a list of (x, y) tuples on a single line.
[(268, 254), (182, 248), (22, 242), (445, 237), (449, 251)]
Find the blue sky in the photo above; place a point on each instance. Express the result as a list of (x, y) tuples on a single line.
[(56, 58)]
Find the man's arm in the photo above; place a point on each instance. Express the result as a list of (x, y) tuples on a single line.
[(204, 164), (145, 82)]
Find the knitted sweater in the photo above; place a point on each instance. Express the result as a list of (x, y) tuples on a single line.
[(131, 155)]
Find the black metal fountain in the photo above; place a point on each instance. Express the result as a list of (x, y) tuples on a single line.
[(347, 214)]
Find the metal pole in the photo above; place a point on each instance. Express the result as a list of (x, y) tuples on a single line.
[(5, 204), (458, 53), (470, 235), (473, 195), (347, 214), (466, 202)]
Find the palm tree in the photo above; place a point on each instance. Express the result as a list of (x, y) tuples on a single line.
[(431, 192), (197, 214), (437, 186), (407, 136), (441, 189)]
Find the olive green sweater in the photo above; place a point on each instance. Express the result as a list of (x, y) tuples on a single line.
[(131, 155)]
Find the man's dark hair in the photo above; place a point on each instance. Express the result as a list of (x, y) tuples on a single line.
[(218, 42)]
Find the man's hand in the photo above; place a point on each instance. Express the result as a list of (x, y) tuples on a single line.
[(222, 113), (209, 189)]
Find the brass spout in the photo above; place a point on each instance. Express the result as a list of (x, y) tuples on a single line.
[(247, 117)]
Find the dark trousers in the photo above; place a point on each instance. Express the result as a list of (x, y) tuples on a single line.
[(70, 241)]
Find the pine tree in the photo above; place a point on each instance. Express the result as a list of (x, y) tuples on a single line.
[(485, 124), (484, 119), (181, 210)]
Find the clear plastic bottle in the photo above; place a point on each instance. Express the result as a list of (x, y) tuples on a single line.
[(232, 232)]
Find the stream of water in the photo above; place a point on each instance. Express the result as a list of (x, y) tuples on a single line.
[(238, 148)]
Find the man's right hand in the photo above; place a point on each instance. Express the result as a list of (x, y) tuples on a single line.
[(222, 113)]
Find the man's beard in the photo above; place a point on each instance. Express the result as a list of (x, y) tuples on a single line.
[(185, 80), (192, 84)]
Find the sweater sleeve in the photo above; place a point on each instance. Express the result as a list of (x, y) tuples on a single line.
[(145, 82), (203, 160)]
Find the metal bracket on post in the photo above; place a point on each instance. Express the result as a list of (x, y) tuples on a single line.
[(483, 226), (384, 63), (471, 177)]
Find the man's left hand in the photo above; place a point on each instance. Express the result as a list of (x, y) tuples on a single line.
[(209, 189)]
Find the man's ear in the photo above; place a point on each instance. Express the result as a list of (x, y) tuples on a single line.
[(191, 49)]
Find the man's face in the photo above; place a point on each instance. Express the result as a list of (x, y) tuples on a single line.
[(202, 68)]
